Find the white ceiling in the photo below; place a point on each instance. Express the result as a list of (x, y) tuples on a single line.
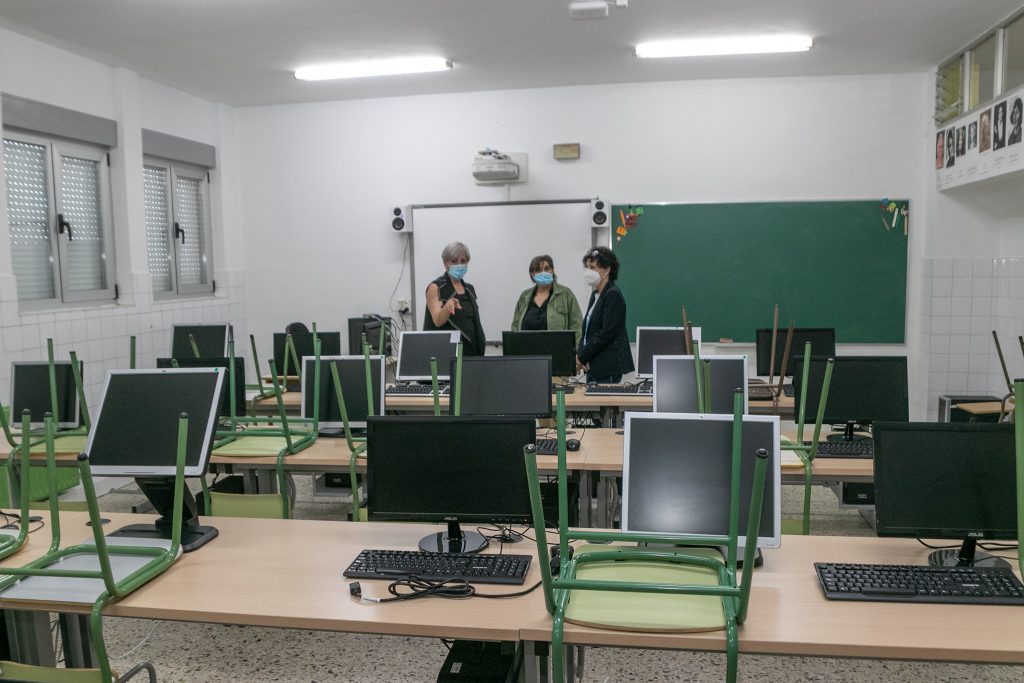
[(243, 52)]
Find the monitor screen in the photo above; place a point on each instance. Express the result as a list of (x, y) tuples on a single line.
[(864, 389), (30, 390), (504, 385), (225, 404), (823, 343), (371, 326), (659, 341), (212, 341), (559, 344), (675, 383), (437, 469), (677, 473), (330, 345), (352, 375), (135, 433), (945, 480), (415, 350)]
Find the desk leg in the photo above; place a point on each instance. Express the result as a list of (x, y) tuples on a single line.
[(74, 633), (609, 416), (534, 662), (28, 637), (583, 484), (607, 500)]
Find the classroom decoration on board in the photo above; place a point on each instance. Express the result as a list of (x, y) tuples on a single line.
[(984, 144), (628, 219), (827, 263)]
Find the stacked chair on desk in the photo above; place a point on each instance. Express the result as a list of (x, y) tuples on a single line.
[(245, 438), (111, 587), (66, 441), (12, 543), (616, 573)]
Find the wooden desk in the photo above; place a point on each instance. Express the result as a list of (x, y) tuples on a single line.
[(983, 408), (789, 614)]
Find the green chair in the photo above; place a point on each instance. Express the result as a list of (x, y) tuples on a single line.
[(147, 561), (805, 450), (632, 588)]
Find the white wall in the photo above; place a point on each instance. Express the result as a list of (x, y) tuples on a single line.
[(32, 69), (318, 180)]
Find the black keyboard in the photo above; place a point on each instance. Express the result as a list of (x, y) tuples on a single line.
[(846, 449), (473, 567), (547, 446), (788, 390), (617, 389), (415, 390), (918, 583), (569, 388), (759, 392)]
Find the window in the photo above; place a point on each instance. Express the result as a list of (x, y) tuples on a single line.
[(949, 90), (177, 199), (58, 209), (983, 72), (1013, 54)]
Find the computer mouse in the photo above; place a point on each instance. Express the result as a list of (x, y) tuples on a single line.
[(556, 560), (572, 445)]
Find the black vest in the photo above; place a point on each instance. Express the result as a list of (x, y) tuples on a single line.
[(446, 290)]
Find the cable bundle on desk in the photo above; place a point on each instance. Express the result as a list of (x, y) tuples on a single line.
[(417, 587)]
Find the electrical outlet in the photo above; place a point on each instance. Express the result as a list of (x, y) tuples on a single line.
[(403, 305)]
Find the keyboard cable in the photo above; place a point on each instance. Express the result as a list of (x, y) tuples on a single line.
[(417, 587)]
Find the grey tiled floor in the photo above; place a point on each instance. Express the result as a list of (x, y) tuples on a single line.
[(189, 652)]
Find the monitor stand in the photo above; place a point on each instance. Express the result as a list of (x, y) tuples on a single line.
[(455, 540), (848, 434), (160, 492), (966, 555)]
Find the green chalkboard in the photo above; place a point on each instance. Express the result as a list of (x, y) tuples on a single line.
[(839, 264)]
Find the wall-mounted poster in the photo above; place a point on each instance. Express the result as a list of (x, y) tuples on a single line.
[(984, 144)]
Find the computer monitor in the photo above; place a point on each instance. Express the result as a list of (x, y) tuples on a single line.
[(659, 341), (449, 469), (211, 340), (863, 390), (823, 343), (677, 474), (225, 404), (135, 434), (675, 383), (503, 385), (330, 345), (559, 344), (372, 326), (415, 350), (952, 480), (352, 375), (30, 390)]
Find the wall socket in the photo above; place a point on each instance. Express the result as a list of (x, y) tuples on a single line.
[(403, 306)]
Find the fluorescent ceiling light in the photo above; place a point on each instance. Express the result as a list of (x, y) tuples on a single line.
[(372, 67), (735, 45)]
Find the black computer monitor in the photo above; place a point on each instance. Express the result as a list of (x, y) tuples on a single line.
[(330, 345), (352, 375), (675, 383), (559, 344), (864, 389), (659, 341), (823, 343), (519, 386), (677, 473), (952, 480), (212, 341), (135, 434), (449, 469), (225, 404), (30, 390), (415, 350), (372, 326)]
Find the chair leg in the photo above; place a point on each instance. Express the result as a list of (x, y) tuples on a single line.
[(732, 647), (141, 666), (557, 650)]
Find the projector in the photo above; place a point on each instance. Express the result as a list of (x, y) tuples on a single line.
[(491, 170), (588, 9)]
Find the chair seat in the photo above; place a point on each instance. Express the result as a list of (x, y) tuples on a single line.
[(74, 443), (649, 612), (255, 446), (258, 505)]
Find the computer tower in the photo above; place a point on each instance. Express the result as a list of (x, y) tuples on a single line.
[(947, 413), (472, 661)]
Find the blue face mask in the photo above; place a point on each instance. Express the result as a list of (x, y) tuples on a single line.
[(457, 271), (543, 278)]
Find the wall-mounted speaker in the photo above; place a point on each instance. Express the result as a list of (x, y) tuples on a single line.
[(401, 219), (598, 213)]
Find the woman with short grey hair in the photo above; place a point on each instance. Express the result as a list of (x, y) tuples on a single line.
[(451, 301)]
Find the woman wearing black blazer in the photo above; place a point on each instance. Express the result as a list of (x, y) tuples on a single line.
[(604, 349)]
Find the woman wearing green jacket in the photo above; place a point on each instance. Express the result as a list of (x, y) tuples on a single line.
[(547, 305)]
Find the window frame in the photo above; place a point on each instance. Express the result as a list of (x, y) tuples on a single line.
[(56, 150), (172, 171)]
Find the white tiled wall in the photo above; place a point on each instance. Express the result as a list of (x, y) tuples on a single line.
[(100, 334), (969, 299)]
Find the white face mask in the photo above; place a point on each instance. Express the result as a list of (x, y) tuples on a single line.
[(592, 278)]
